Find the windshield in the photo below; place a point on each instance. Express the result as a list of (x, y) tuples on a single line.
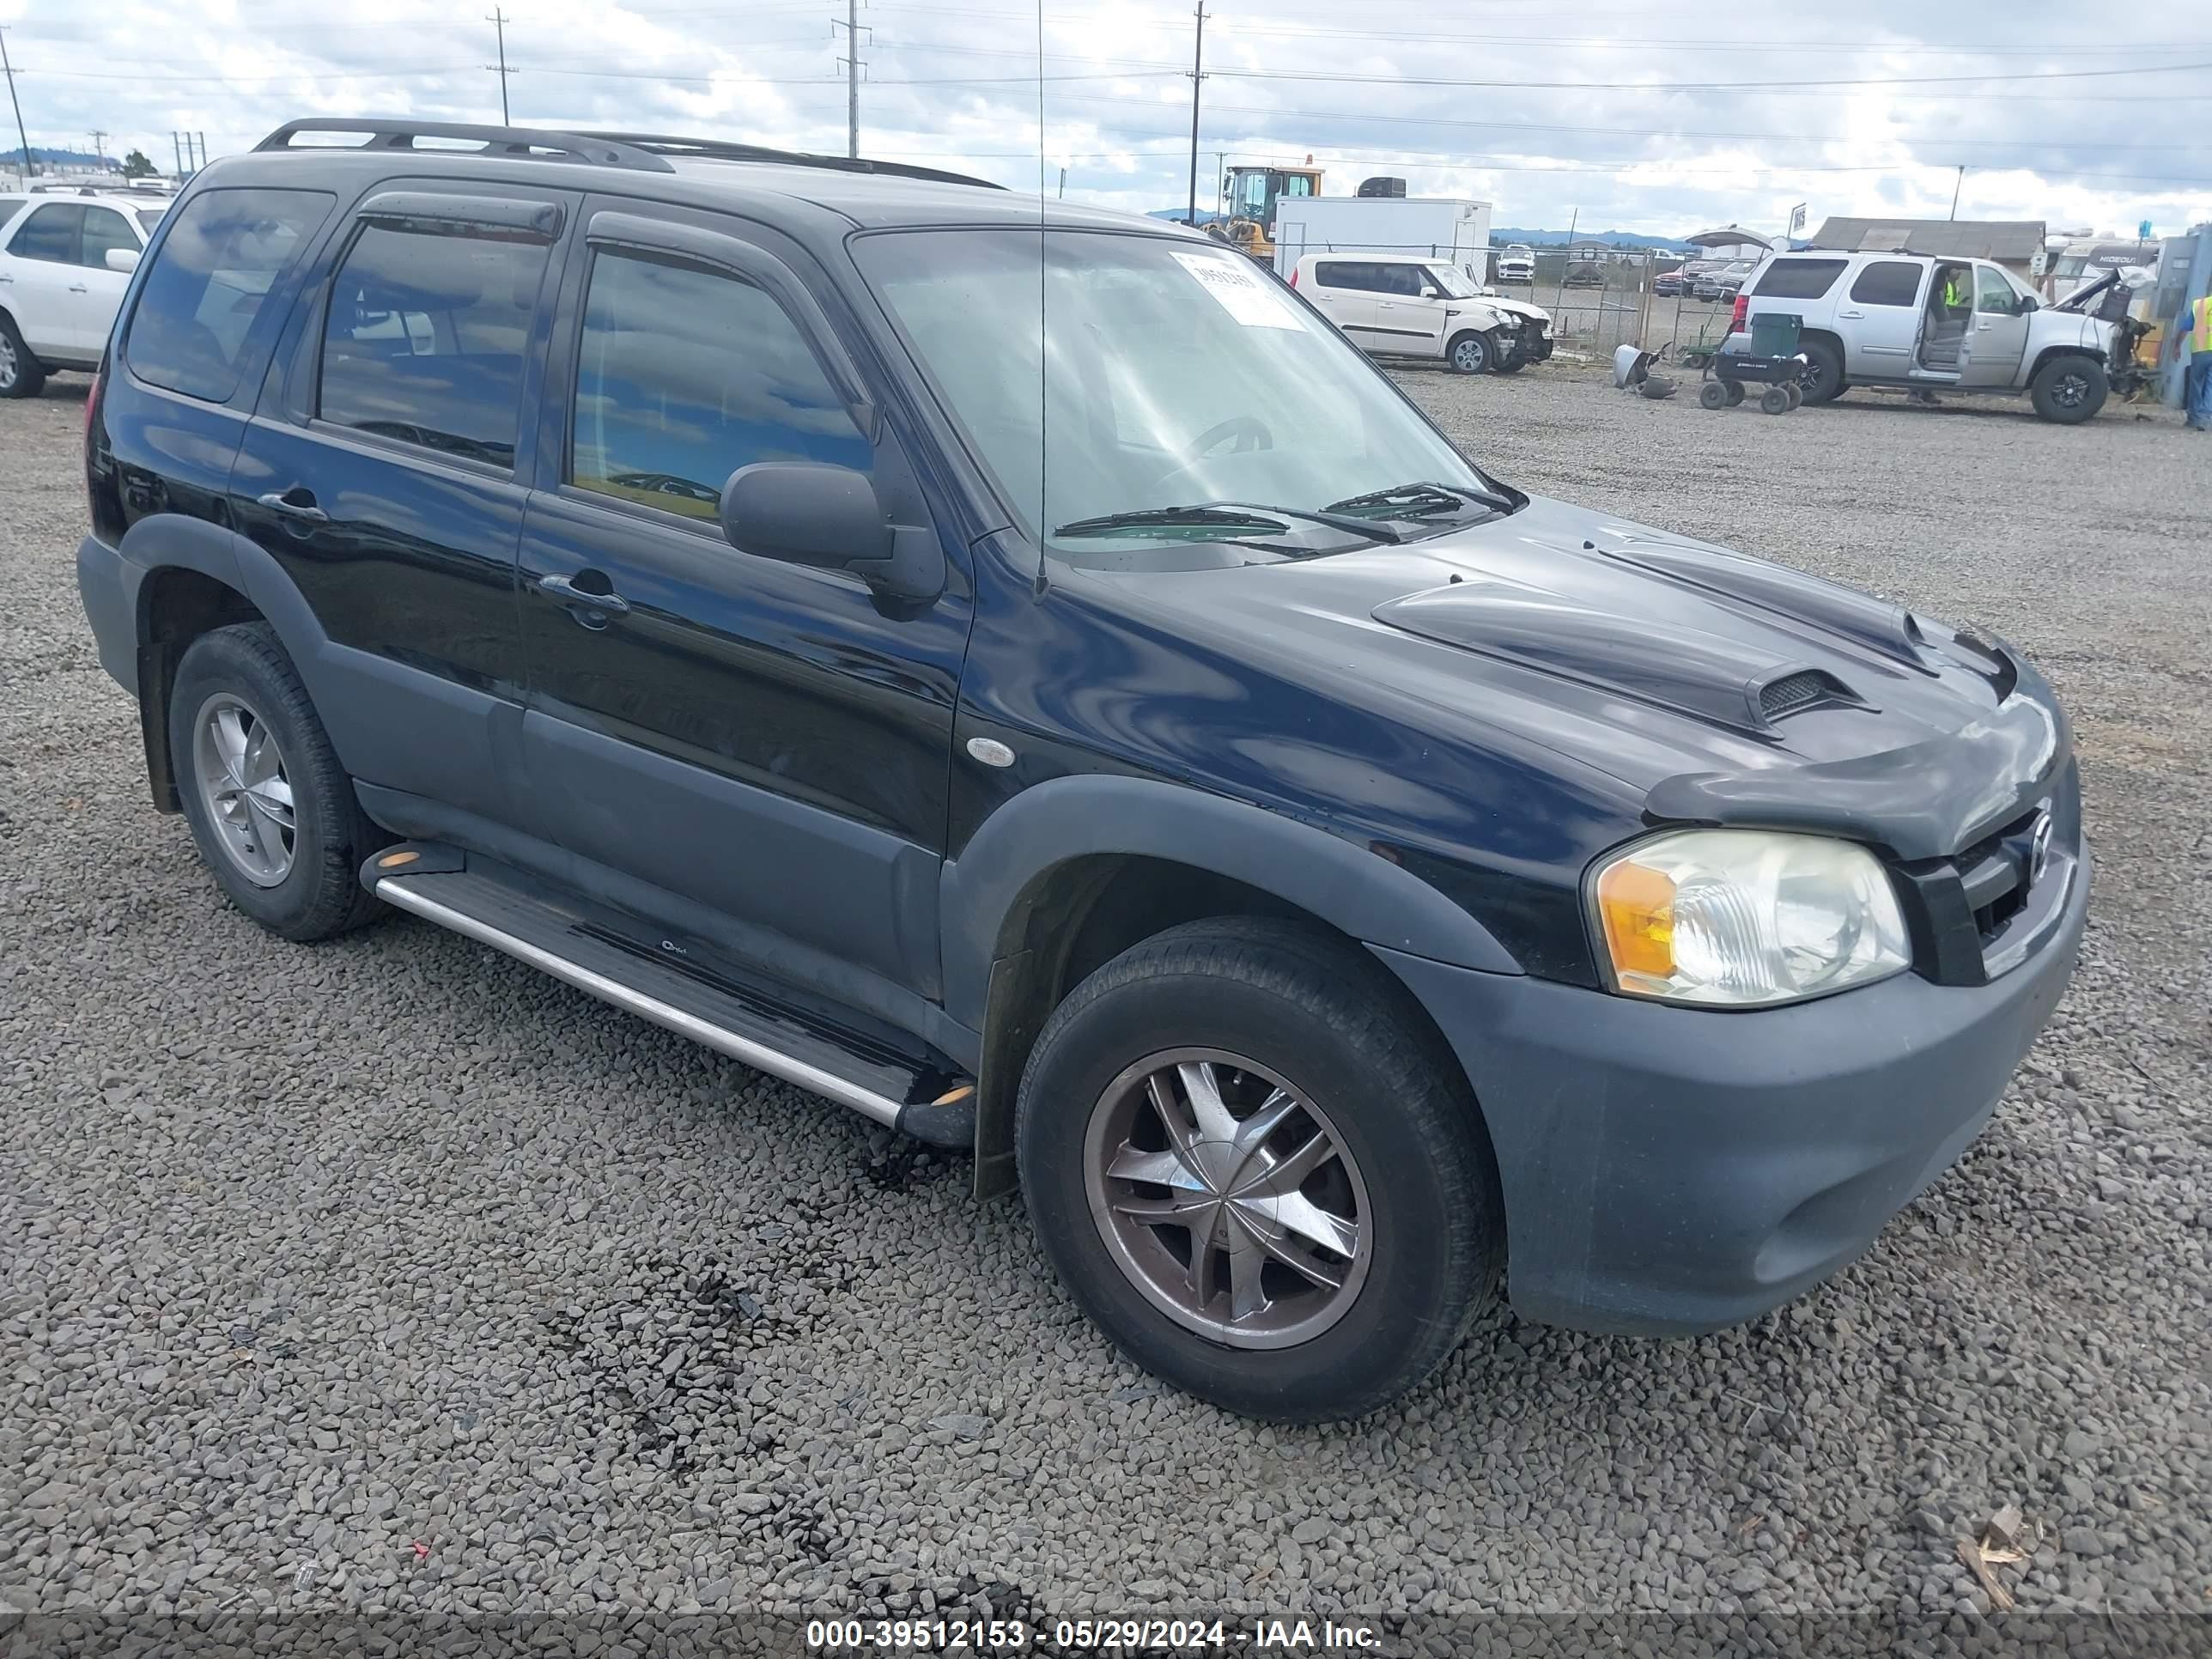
[(1454, 283), (1169, 373)]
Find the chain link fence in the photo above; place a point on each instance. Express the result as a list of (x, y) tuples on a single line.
[(1597, 304)]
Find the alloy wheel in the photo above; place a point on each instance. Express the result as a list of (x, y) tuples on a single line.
[(1228, 1198), (1469, 355), (246, 787), (9, 368), (2069, 390)]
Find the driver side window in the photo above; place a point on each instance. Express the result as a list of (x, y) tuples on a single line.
[(1993, 296)]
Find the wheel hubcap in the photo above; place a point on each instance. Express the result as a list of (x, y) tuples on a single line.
[(246, 789), (1468, 356), (1228, 1198), (2070, 390)]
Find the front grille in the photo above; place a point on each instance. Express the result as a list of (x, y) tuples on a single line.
[(1976, 914)]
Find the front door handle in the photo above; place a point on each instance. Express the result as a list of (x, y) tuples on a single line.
[(1854, 315), (296, 503), (78, 288), (589, 610)]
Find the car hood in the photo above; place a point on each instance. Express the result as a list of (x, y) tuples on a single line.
[(1517, 309), (1717, 686)]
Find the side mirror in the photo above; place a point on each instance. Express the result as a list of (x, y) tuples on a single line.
[(1432, 294), (829, 517), (123, 258), (2027, 302)]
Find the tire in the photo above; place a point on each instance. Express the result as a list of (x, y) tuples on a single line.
[(1323, 1022), (1735, 393), (21, 376), (2069, 390), (1512, 363), (1823, 379), (1795, 394), (237, 683), (1471, 352), (1713, 395), (1775, 401)]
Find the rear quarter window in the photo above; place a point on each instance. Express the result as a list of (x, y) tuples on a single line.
[(228, 252), (1799, 279)]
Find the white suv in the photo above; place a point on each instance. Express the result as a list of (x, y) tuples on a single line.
[(64, 262), (1925, 323), (1517, 264), (1401, 304)]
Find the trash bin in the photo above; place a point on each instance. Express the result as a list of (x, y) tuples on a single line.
[(1774, 334)]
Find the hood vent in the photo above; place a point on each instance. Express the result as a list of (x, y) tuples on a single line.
[(1807, 689)]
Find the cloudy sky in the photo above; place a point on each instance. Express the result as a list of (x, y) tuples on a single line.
[(1650, 116)]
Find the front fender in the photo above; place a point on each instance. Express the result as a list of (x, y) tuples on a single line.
[(1343, 882)]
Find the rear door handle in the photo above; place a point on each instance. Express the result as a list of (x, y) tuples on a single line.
[(1854, 315), (297, 503), (78, 288), (582, 602)]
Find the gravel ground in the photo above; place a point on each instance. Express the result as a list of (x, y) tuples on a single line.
[(389, 1274)]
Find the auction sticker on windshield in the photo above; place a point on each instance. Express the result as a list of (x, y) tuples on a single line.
[(1239, 292)]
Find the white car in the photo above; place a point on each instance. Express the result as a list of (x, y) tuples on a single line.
[(1517, 264), (1401, 305), (1927, 322), (64, 262)]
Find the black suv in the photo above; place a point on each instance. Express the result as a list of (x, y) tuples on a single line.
[(1018, 672)]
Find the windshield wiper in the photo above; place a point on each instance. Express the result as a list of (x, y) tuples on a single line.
[(1229, 518), (1177, 518), (1421, 498)]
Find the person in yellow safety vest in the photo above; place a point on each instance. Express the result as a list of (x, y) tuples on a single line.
[(2195, 328), (1954, 291), (1953, 306)]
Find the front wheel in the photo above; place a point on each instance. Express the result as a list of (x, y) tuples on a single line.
[(1511, 363), (1472, 354), (2069, 390), (1258, 1173)]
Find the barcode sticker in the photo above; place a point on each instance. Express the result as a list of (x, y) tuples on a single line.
[(1239, 290)]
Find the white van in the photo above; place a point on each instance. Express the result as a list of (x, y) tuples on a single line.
[(1398, 304)]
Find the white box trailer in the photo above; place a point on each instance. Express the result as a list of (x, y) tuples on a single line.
[(1441, 227)]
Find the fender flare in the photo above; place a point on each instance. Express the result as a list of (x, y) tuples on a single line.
[(1354, 890)]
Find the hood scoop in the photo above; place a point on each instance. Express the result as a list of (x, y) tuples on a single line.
[(1724, 681), (1875, 623)]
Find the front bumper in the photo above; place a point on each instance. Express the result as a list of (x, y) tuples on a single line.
[(1668, 1171)]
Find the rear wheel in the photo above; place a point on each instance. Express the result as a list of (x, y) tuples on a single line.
[(1823, 378), (2069, 389), (1736, 393), (21, 375), (1713, 395), (272, 811), (1265, 1181), (1775, 401), (1472, 353)]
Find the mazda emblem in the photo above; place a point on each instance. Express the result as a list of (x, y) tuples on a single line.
[(2038, 848)]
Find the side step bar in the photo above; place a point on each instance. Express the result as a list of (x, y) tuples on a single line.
[(444, 886)]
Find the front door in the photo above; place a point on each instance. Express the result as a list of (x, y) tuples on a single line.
[(2000, 329), (761, 748), (57, 282), (381, 476)]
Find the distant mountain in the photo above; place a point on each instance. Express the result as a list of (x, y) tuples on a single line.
[(61, 161), (1502, 234)]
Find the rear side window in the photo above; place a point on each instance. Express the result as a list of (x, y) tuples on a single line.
[(228, 252), (1888, 282), (1365, 278), (684, 376), (428, 329), (51, 234), (1799, 279)]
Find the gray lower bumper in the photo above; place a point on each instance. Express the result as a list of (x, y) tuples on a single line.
[(108, 585), (1668, 1171)]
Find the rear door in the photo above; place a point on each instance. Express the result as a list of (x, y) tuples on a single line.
[(39, 278), (2000, 333), (1344, 289), (1879, 320), (381, 476)]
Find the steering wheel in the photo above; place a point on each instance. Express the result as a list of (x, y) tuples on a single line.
[(1244, 434)]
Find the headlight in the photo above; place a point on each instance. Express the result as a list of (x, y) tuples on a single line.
[(1740, 918)]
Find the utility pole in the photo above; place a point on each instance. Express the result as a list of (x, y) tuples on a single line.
[(1197, 74), (1959, 184), (498, 21), (853, 30), (99, 155), (177, 150), (1063, 183), (8, 68)]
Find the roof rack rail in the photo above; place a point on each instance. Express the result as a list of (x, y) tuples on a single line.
[(724, 151), (595, 150)]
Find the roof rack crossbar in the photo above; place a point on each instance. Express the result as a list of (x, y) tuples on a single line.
[(723, 150), (594, 149)]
